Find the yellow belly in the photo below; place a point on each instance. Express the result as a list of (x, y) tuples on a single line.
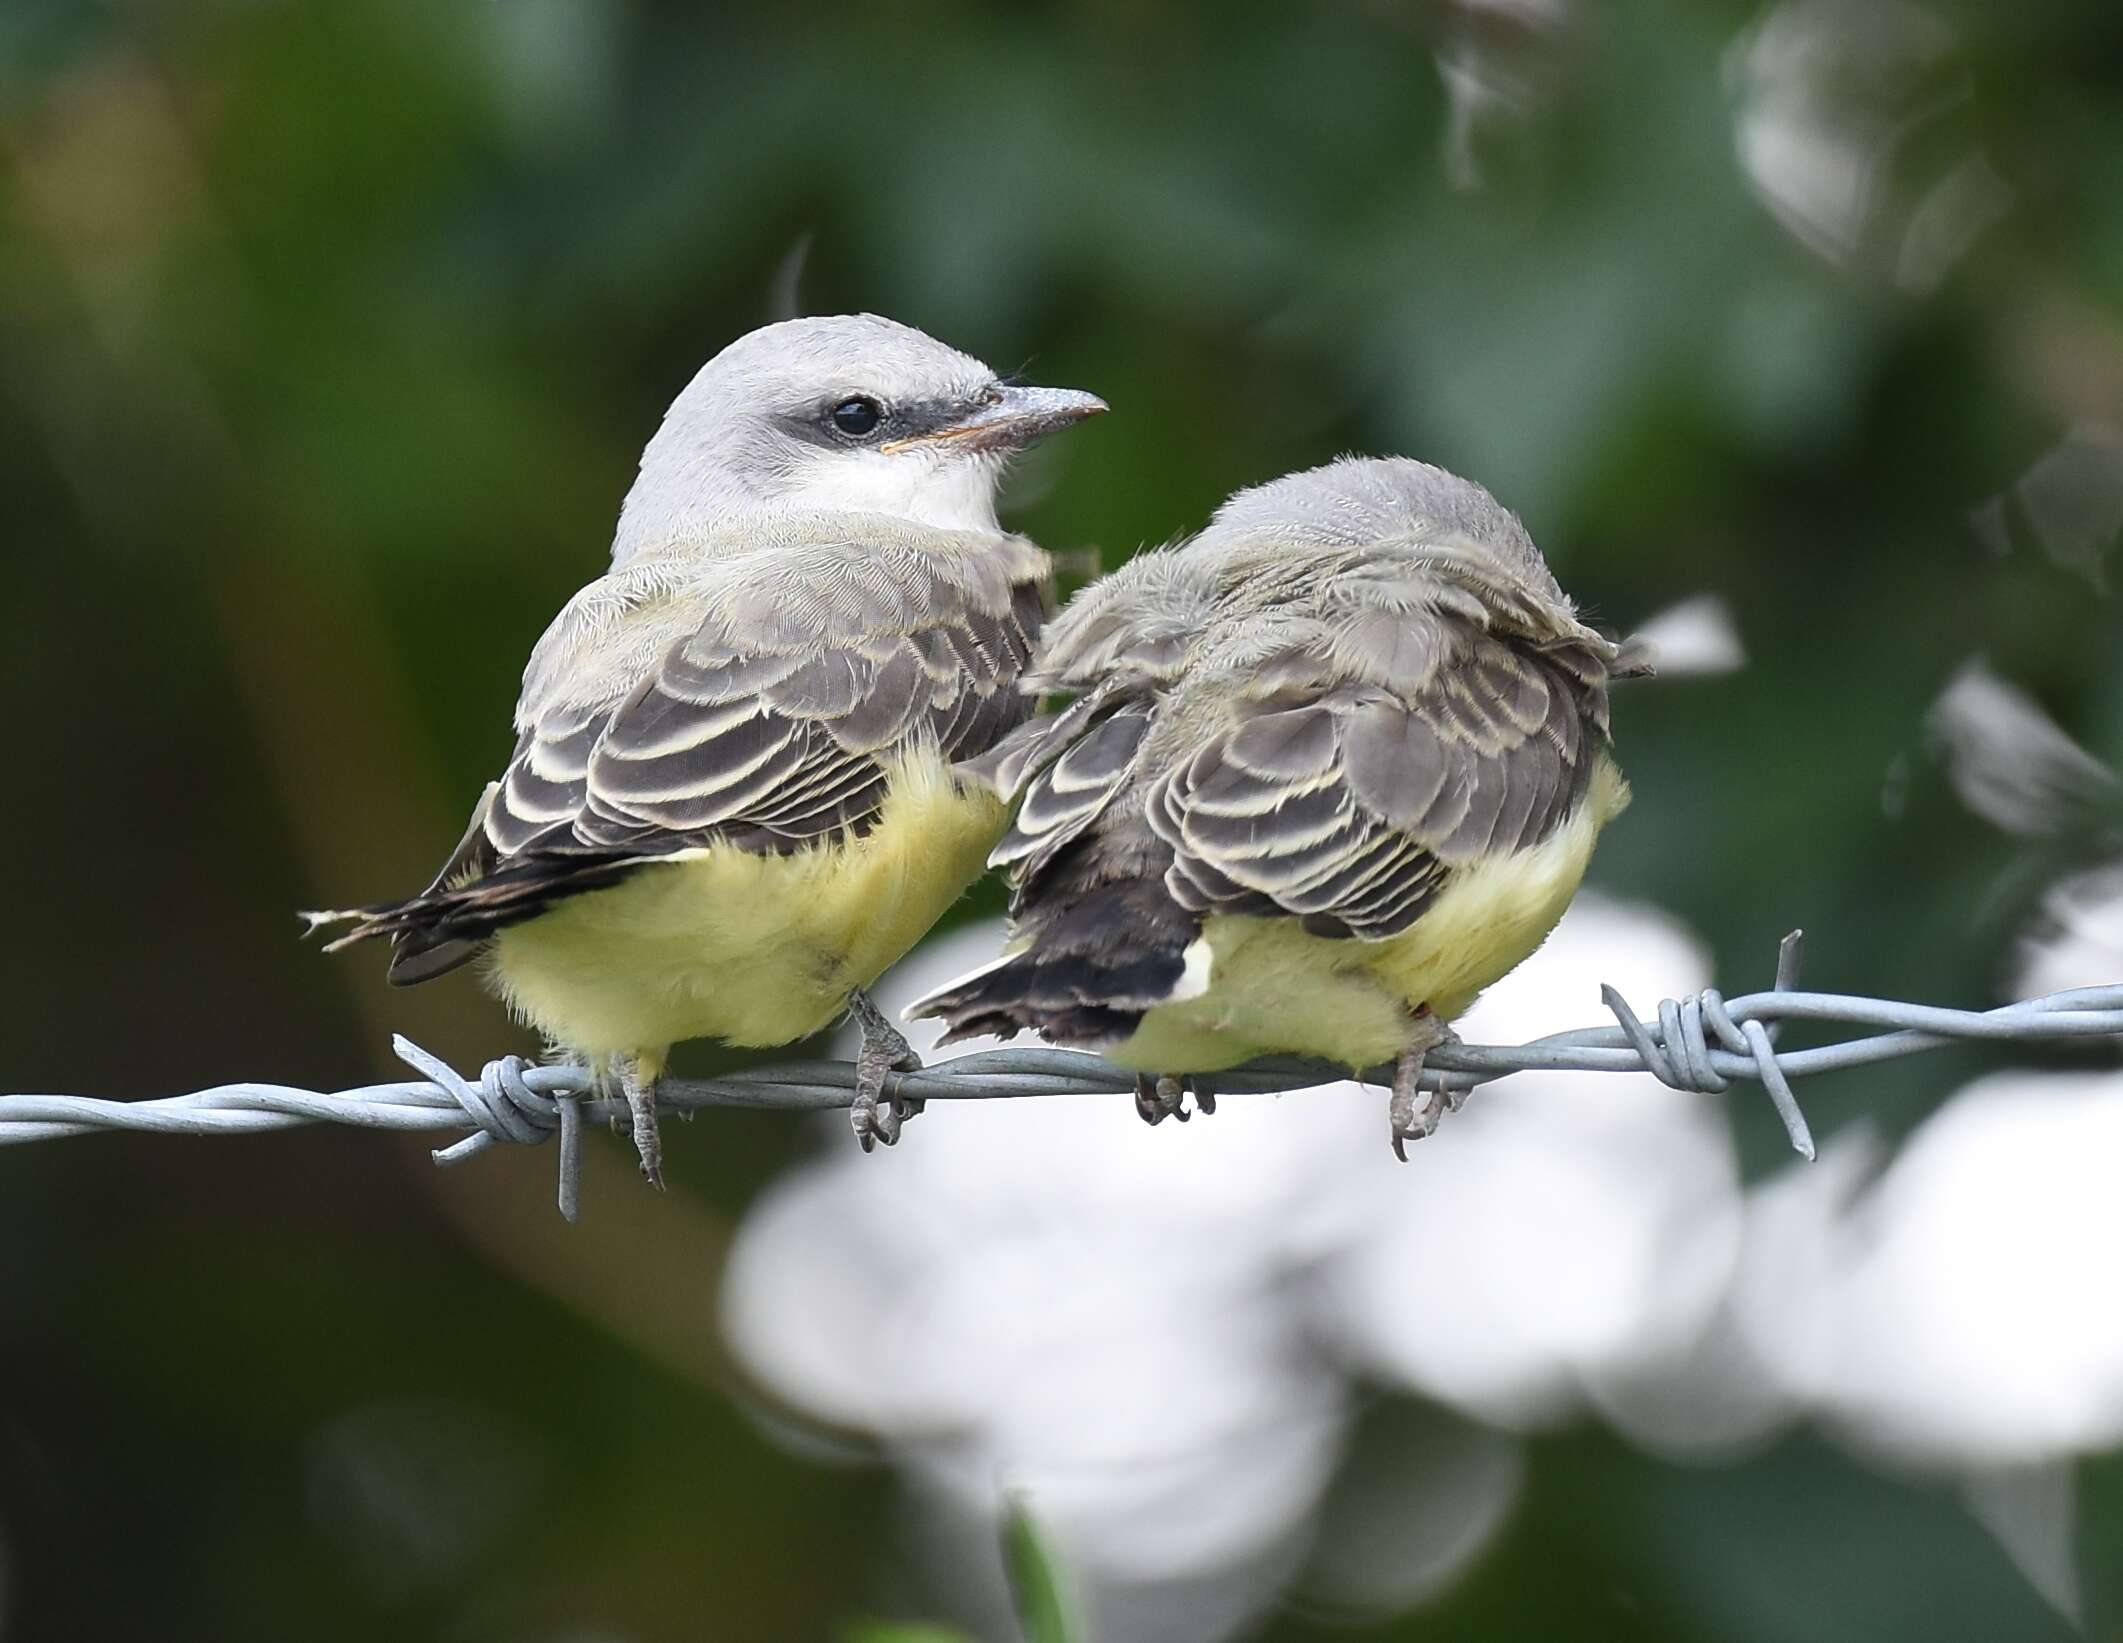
[(1274, 990), (753, 950)]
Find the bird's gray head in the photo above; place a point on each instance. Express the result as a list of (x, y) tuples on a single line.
[(847, 412), (1356, 501)]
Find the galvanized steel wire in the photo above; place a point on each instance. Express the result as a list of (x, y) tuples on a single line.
[(1703, 1042)]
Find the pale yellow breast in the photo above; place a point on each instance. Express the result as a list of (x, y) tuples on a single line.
[(1271, 989), (754, 950)]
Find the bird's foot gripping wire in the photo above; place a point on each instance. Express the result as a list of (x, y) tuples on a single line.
[(1163, 1097), (884, 1050), (1414, 1111), (640, 1093)]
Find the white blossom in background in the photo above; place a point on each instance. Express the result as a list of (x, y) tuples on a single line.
[(1972, 1317), (1152, 1332), (1835, 101), (1049, 1296), (1734, 1387), (1782, 1315), (2069, 502), (2079, 938), (1951, 1306), (1159, 1335), (1489, 75), (1695, 638), (1956, 1312), (2009, 761), (1563, 1226)]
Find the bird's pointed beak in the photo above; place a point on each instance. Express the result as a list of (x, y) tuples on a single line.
[(1011, 419)]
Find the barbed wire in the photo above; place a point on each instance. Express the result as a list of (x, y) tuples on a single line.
[(1703, 1042)]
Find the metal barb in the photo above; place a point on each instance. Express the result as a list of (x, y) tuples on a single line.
[(1701, 1043), (1679, 1054)]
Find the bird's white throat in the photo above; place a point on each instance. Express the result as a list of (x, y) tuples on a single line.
[(692, 497), (949, 490)]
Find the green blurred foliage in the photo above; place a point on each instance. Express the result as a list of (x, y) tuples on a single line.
[(1038, 1583), (328, 336)]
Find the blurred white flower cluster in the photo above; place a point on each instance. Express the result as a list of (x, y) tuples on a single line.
[(1845, 123), (1160, 1336)]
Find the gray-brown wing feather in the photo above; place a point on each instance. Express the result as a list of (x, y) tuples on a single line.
[(1345, 807), (1349, 811), (773, 725)]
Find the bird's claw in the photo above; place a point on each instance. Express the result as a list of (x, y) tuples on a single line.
[(638, 1122), (641, 1115), (1156, 1099), (1415, 1112), (1163, 1097), (877, 1121), (876, 1118)]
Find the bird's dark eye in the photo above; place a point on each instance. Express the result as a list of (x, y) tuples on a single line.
[(856, 417)]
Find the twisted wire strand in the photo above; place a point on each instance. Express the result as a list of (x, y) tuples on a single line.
[(1704, 1042)]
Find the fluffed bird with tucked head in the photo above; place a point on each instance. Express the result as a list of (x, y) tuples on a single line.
[(1332, 768), (731, 805)]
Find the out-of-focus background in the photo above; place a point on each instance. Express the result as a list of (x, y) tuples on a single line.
[(328, 337)]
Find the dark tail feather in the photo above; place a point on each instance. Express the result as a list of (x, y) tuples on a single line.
[(417, 953), (422, 957), (428, 935), (1087, 976), (442, 927), (475, 894)]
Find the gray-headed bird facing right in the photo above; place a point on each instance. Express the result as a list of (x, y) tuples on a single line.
[(1332, 768)]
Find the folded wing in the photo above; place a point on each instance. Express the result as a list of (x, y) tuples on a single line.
[(1350, 810), (1334, 769), (772, 722)]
